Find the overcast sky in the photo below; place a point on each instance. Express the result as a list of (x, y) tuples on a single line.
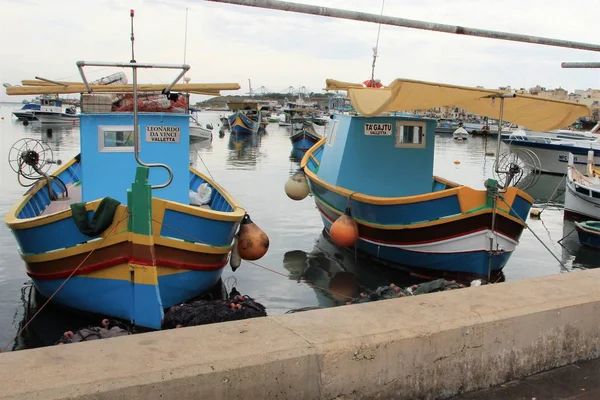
[(275, 49)]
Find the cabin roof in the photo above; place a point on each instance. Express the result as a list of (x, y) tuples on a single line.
[(533, 112), (244, 105)]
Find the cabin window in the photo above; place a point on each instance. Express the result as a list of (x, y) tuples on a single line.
[(595, 195), (332, 133), (410, 134), (115, 138), (581, 190)]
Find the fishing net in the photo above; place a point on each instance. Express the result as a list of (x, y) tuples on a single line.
[(109, 329), (202, 312)]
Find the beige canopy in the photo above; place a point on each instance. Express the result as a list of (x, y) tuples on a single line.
[(532, 112), (36, 87)]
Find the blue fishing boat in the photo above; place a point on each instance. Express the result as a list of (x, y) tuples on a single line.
[(373, 184), (126, 228), (305, 138), (246, 118)]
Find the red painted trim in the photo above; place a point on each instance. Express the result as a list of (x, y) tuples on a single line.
[(120, 260)]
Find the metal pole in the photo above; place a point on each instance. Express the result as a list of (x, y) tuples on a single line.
[(499, 139), (580, 65), (408, 23)]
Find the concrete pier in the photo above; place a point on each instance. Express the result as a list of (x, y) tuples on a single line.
[(429, 346)]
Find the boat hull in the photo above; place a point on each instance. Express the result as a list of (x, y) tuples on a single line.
[(304, 140), (197, 132), (241, 124), (588, 235), (460, 247), (581, 202), (24, 115), (451, 230), (119, 273), (53, 118)]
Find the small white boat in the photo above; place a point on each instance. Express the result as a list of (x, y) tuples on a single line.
[(553, 148), (197, 131), (460, 134), (582, 198), (51, 111)]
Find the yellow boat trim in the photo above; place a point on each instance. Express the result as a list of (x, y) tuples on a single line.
[(469, 198), (137, 238), (122, 272), (238, 210), (189, 246), (315, 160)]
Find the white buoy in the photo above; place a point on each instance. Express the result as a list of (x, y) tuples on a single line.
[(296, 187)]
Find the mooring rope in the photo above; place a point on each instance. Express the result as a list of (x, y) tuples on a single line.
[(535, 235), (111, 233)]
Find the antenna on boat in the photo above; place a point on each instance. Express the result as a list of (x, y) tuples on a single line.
[(375, 49)]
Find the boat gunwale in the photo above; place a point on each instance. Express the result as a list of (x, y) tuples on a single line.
[(376, 200), (12, 220)]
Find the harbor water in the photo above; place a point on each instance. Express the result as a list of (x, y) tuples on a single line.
[(302, 266)]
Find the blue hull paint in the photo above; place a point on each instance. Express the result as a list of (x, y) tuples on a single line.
[(303, 144), (195, 229), (178, 288), (107, 297), (112, 297), (402, 214), (472, 263), (248, 127)]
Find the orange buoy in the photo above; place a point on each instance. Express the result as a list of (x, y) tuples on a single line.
[(235, 259), (296, 187), (456, 162), (253, 243), (344, 231)]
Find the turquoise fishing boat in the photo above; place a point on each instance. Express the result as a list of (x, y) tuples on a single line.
[(372, 181), (126, 228)]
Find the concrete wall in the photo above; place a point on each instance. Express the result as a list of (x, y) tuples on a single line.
[(430, 346)]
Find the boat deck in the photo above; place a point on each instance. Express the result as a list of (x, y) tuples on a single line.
[(75, 197), (64, 203)]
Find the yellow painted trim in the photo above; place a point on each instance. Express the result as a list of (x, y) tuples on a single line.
[(122, 272), (137, 238), (236, 207), (315, 160), (144, 274), (189, 246), (75, 250)]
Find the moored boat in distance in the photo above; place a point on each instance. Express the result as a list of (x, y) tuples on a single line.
[(246, 118), (52, 111), (373, 184), (582, 195), (26, 112), (305, 138), (589, 233), (460, 134)]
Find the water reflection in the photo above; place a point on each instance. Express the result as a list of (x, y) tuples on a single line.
[(296, 155), (549, 189), (338, 274), (244, 149)]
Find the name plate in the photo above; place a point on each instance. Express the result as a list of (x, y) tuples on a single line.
[(378, 129), (169, 134)]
